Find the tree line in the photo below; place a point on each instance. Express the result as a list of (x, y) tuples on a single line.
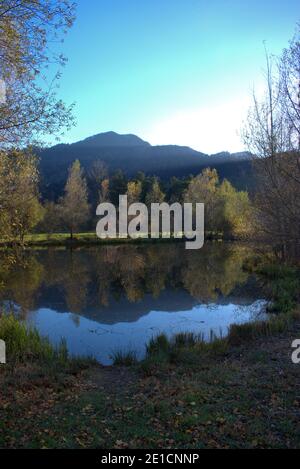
[(23, 211)]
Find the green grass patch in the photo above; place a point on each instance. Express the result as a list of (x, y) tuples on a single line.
[(239, 333), (158, 345), (25, 345), (185, 347), (283, 285), (82, 239), (124, 358)]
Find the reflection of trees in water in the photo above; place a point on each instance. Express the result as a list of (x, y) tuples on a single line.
[(214, 270), (124, 271), (20, 278), (89, 276), (161, 263), (70, 271), (76, 283)]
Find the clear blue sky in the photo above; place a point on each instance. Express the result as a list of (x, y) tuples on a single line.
[(171, 71)]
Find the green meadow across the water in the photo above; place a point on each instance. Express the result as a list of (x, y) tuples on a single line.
[(90, 238)]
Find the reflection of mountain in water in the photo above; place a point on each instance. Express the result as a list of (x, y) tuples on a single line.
[(121, 284), (122, 310)]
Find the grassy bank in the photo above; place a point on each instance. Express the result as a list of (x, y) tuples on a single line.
[(25, 346), (80, 239), (64, 240), (188, 347), (90, 238), (241, 397)]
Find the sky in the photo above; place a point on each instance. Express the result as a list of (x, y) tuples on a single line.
[(171, 71)]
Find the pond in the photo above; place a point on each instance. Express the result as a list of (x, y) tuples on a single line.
[(116, 298)]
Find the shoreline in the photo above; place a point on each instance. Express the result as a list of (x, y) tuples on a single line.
[(214, 399), (91, 239)]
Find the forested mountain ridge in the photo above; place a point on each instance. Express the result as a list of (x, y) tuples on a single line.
[(131, 154)]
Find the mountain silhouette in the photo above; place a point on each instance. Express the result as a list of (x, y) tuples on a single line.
[(132, 154), (113, 139)]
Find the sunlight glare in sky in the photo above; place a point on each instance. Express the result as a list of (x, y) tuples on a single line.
[(209, 129)]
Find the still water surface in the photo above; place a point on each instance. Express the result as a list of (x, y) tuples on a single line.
[(107, 299)]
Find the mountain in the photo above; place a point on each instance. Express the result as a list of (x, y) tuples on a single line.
[(132, 154), (112, 139)]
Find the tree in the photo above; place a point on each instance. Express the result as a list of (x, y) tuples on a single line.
[(235, 212), (272, 133), (118, 186), (134, 190), (176, 188), (289, 92), (104, 191), (97, 174), (20, 209), (51, 221), (28, 28), (226, 209), (203, 189), (74, 205), (155, 195)]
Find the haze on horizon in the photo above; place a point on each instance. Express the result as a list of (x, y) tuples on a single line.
[(171, 72)]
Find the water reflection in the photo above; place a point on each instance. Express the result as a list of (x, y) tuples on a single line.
[(108, 297)]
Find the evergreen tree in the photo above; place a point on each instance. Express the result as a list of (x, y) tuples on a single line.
[(118, 186)]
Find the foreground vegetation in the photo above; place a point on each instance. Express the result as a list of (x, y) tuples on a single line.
[(241, 397), (234, 392), (25, 346)]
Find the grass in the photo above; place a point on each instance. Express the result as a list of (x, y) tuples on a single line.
[(63, 239), (240, 333), (81, 239), (124, 358), (24, 345), (283, 284), (184, 340), (90, 238), (158, 344), (245, 398), (185, 347)]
